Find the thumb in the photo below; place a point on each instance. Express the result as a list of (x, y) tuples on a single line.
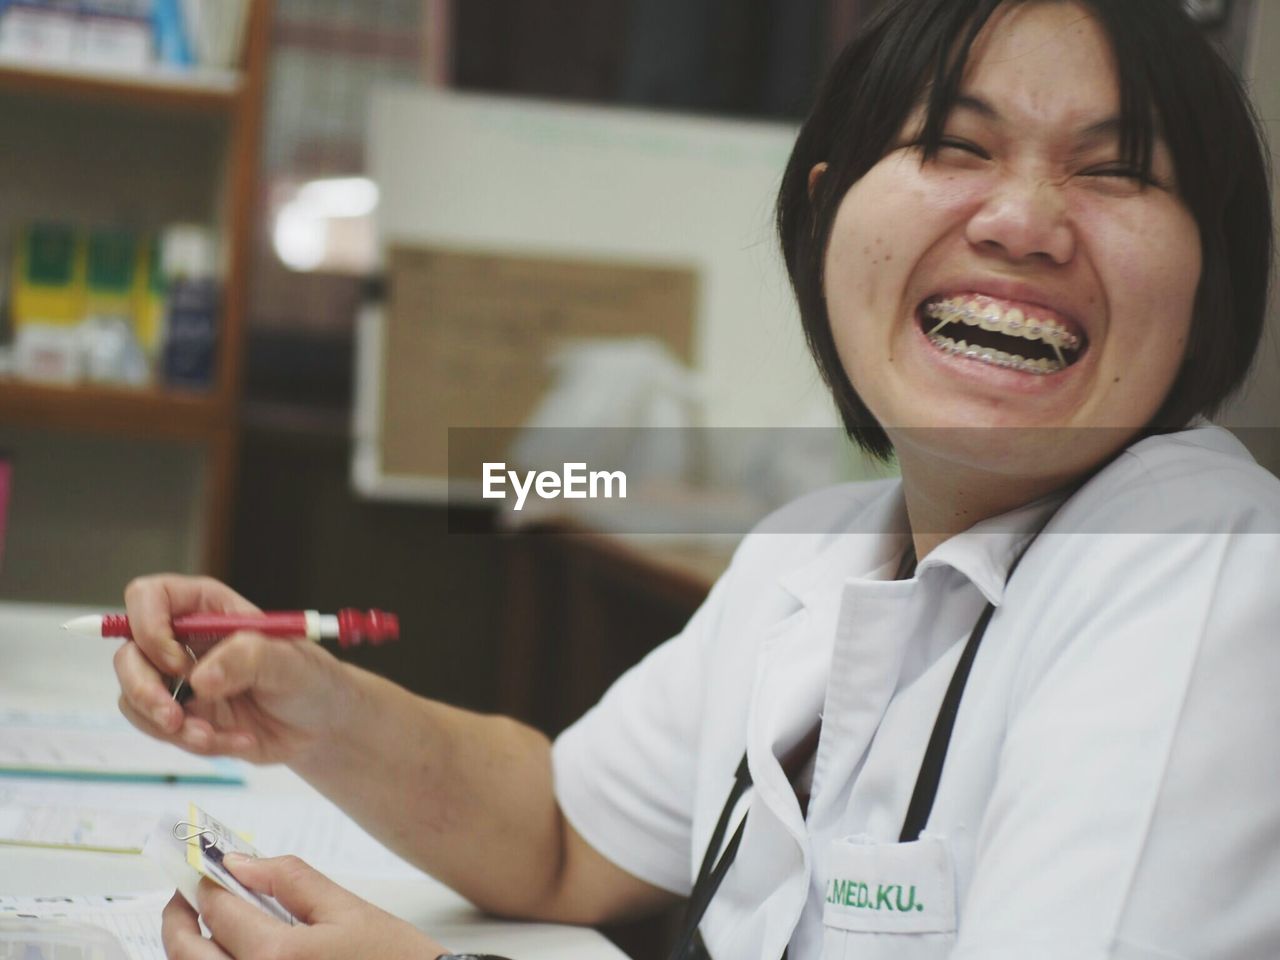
[(301, 889), (231, 667)]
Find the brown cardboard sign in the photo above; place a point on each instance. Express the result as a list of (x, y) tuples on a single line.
[(469, 334)]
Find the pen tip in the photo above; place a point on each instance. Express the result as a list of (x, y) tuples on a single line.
[(87, 625)]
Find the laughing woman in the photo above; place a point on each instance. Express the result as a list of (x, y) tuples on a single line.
[(1018, 704)]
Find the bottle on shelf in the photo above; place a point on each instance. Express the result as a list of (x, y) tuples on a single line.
[(190, 266), (111, 350)]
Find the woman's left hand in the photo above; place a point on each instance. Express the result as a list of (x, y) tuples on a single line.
[(333, 923)]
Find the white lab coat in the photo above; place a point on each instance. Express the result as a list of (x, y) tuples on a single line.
[(1112, 788)]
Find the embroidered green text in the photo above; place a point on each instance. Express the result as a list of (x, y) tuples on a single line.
[(893, 897)]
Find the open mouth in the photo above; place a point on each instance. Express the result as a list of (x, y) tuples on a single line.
[(979, 328)]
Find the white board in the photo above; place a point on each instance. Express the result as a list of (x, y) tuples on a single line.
[(515, 176)]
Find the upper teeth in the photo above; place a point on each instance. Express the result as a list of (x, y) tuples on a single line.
[(989, 315)]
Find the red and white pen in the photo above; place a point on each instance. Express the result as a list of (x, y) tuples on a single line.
[(351, 628)]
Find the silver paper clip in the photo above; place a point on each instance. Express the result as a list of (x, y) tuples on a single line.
[(194, 830), (177, 689)]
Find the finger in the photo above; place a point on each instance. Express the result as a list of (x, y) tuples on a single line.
[(187, 729), (250, 661), (231, 667), (180, 934), (144, 689), (196, 734), (153, 602), (146, 724), (301, 889), (239, 927)]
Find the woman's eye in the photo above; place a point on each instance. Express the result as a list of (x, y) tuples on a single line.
[(1119, 172), (972, 148)]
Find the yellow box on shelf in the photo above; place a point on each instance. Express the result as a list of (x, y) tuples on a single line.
[(149, 297), (109, 273), (50, 263)]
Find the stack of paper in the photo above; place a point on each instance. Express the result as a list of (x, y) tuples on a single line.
[(97, 747), (118, 818), (29, 823), (91, 782)]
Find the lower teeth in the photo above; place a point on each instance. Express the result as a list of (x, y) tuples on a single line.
[(996, 358)]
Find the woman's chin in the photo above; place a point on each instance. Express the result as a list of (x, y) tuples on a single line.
[(1007, 447)]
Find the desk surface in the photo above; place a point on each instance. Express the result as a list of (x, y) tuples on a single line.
[(43, 668)]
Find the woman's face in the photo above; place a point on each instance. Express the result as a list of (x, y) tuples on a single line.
[(1024, 278)]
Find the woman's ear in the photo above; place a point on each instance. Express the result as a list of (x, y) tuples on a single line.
[(814, 176)]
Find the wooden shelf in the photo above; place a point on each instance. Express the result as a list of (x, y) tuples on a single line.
[(116, 411), (233, 100), (206, 90)]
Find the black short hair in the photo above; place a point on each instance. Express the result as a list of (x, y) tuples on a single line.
[(1169, 74)]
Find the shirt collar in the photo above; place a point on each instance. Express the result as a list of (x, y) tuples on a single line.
[(985, 552), (876, 535), (871, 536)]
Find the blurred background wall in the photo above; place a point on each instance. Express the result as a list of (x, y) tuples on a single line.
[(92, 504)]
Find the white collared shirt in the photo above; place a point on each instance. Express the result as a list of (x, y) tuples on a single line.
[(1111, 785)]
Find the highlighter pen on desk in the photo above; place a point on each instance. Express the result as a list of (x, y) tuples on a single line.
[(351, 628)]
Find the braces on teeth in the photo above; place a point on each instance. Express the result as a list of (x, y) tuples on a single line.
[(996, 357), (1014, 323)]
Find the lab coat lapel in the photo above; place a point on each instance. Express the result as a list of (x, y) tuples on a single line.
[(793, 671), (770, 879), (875, 619), (869, 621), (764, 893)]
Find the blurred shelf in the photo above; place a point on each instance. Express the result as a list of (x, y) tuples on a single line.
[(234, 101), (202, 89), (138, 412), (273, 418)]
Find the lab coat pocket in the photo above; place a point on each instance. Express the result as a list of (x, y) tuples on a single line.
[(895, 901)]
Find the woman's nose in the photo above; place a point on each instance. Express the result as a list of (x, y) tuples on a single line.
[(1024, 218)]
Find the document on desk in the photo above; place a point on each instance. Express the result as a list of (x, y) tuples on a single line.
[(62, 825), (118, 816), (83, 746), (310, 827), (133, 920)]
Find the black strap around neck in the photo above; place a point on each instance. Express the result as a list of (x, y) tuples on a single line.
[(689, 945), (712, 872), (935, 754)]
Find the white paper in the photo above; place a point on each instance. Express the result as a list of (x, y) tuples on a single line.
[(133, 919), (64, 825), (314, 829), (97, 746), (303, 824)]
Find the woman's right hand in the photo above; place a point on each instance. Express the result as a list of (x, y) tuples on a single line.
[(264, 700)]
